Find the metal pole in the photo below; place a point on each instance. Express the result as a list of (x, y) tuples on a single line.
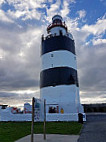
[(32, 127), (44, 119)]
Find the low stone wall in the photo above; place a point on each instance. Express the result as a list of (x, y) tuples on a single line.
[(62, 117), (8, 116)]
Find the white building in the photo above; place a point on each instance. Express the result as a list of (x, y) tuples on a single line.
[(58, 78)]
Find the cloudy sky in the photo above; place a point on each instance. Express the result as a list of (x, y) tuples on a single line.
[(22, 22)]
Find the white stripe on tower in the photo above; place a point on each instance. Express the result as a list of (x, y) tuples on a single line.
[(61, 58)]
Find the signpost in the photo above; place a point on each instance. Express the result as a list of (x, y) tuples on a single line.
[(32, 127), (44, 119), (38, 114)]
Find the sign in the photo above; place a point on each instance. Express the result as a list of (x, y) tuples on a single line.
[(38, 110)]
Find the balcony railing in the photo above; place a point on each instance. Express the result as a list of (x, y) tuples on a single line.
[(62, 24), (53, 35)]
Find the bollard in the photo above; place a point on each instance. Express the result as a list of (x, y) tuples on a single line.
[(80, 118)]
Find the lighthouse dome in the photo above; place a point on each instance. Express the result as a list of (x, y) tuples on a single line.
[(57, 19)]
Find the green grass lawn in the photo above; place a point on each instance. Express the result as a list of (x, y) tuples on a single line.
[(11, 131)]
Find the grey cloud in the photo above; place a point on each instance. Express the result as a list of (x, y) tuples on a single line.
[(23, 72), (19, 84), (92, 69), (18, 72), (16, 98), (6, 95), (92, 94)]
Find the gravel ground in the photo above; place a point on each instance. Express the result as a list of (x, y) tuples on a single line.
[(94, 130)]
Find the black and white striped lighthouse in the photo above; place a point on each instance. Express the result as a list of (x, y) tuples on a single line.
[(58, 78)]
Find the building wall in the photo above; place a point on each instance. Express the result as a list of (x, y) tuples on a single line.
[(58, 59), (6, 115), (64, 95), (94, 107), (58, 78)]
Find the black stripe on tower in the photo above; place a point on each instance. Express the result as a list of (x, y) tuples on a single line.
[(58, 76), (57, 43)]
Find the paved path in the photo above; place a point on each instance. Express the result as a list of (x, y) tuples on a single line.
[(50, 138), (94, 130)]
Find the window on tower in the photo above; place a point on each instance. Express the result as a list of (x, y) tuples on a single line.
[(51, 55), (61, 32), (57, 21)]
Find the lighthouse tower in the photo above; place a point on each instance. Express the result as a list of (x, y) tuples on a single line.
[(58, 78)]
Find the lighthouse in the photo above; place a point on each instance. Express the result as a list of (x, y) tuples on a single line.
[(58, 77)]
